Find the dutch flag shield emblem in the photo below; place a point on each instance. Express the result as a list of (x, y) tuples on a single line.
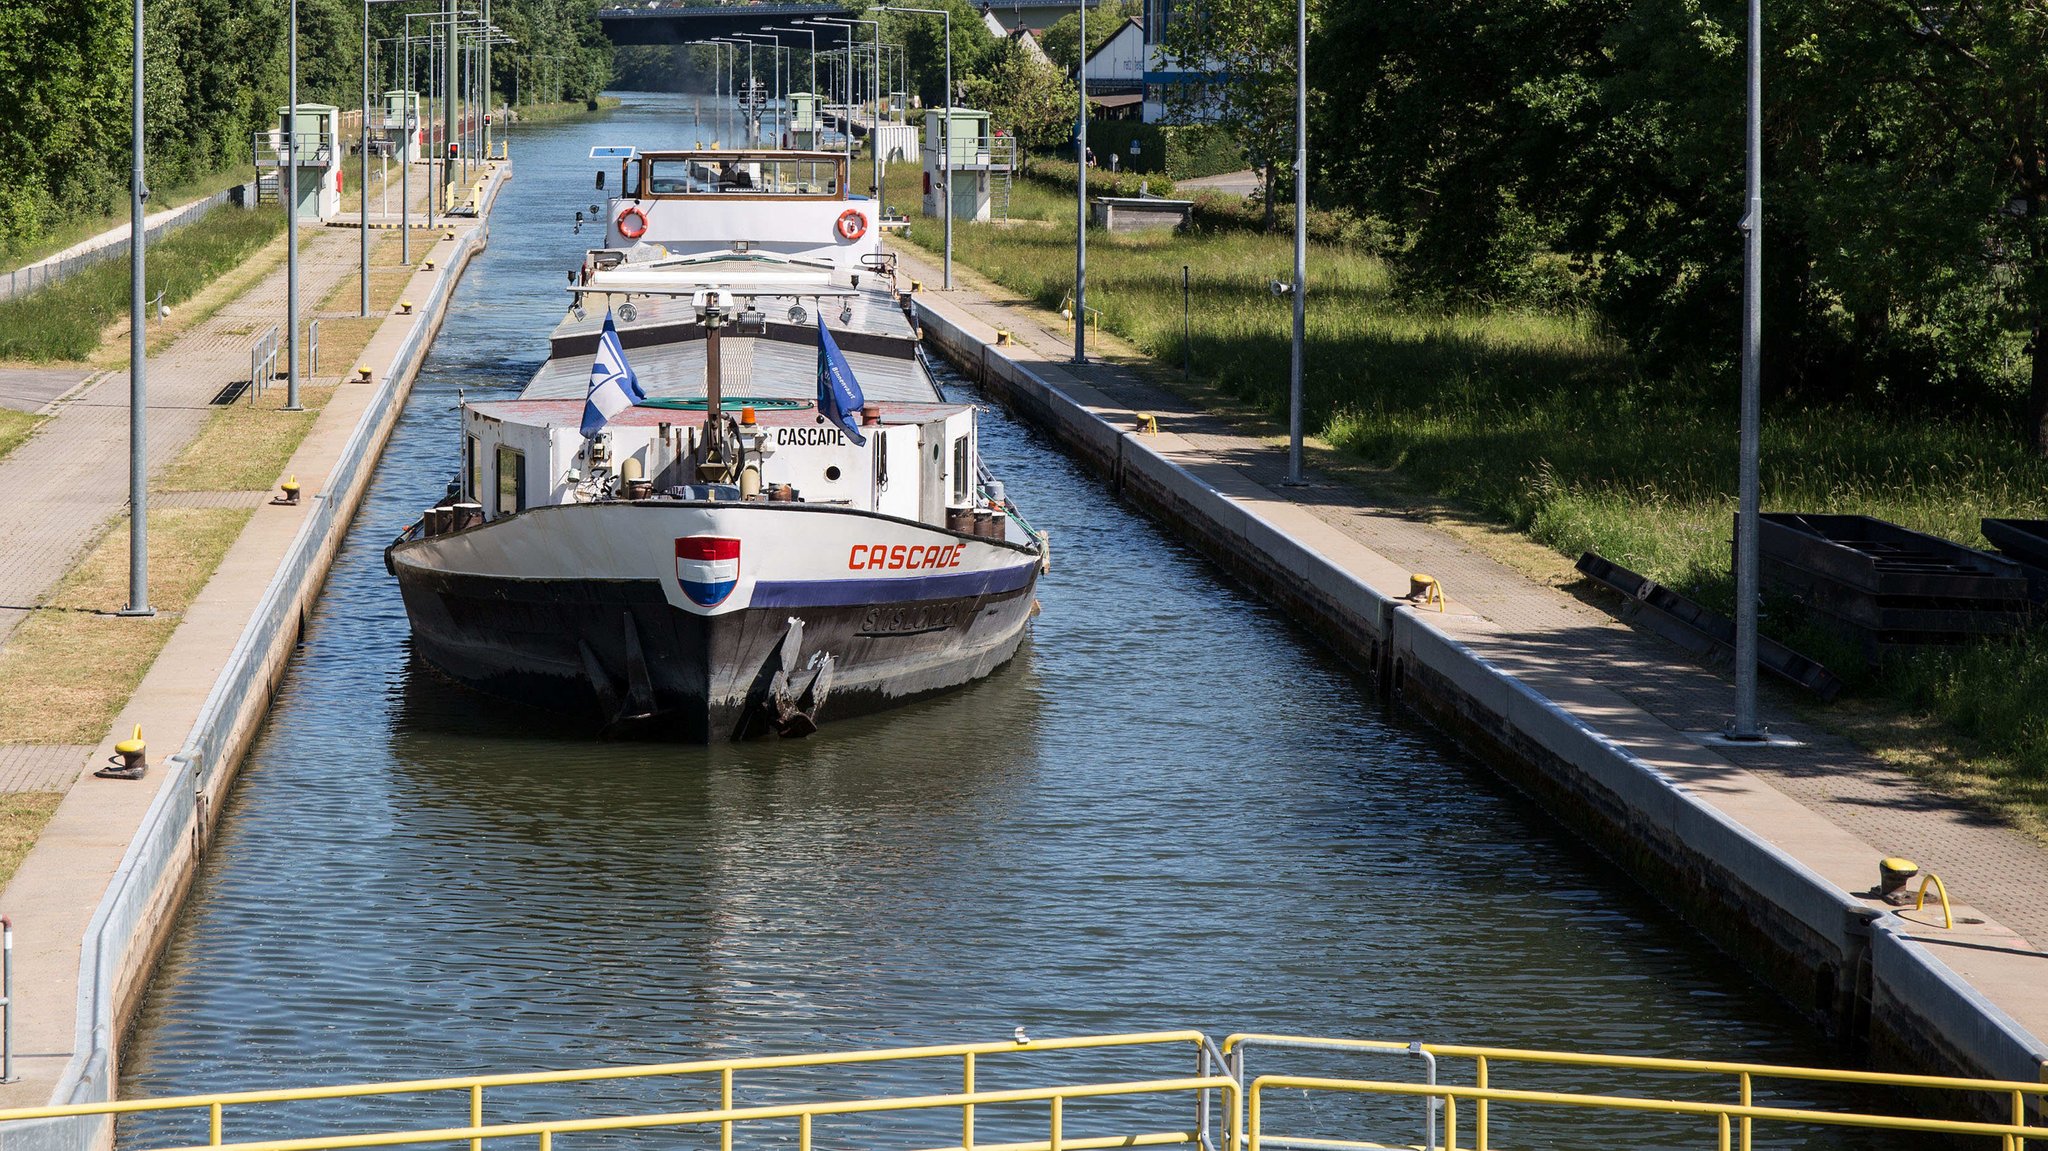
[(708, 567)]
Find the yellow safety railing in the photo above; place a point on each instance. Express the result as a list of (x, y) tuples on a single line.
[(726, 1115), (1742, 1077), (1948, 917), (1726, 1116)]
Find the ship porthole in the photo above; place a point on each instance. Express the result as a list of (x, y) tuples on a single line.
[(832, 473)]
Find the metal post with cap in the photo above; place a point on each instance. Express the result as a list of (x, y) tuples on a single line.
[(138, 366), (1744, 727), (1300, 291), (945, 131), (1081, 196)]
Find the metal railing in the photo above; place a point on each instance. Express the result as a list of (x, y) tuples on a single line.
[(1135, 1122), (1726, 1116), (726, 1115), (262, 363), (1742, 1078)]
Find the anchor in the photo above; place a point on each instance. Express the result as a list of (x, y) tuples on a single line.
[(793, 710)]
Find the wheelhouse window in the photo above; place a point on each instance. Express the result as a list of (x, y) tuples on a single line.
[(511, 481), (960, 477), (472, 469), (740, 175)]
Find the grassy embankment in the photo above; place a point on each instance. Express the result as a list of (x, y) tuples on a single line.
[(47, 693), (86, 227), (67, 321), (565, 110), (1533, 419)]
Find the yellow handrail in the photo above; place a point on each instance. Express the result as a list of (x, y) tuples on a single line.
[(1948, 918), (599, 1074), (1722, 1112), (803, 1111)]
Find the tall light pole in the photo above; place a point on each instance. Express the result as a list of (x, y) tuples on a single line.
[(779, 86), (1300, 292), (291, 217), (846, 136), (138, 346), (874, 85), (945, 133), (813, 34), (1081, 197), (1750, 494)]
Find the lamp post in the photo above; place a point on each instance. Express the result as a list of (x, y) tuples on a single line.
[(291, 217), (813, 34), (1081, 197), (874, 84), (846, 136), (363, 153), (1744, 728), (779, 86), (1300, 289), (138, 345), (945, 133)]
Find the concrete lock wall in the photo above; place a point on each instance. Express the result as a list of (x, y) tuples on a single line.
[(1846, 967), (137, 913)]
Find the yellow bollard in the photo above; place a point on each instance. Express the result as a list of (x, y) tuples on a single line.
[(130, 759), (1425, 590), (1148, 424), (290, 498)]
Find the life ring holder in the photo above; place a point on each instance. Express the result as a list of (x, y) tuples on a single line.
[(852, 225), (636, 231)]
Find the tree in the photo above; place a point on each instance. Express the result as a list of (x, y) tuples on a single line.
[(975, 48), (1062, 41), (1026, 97), (1240, 54)]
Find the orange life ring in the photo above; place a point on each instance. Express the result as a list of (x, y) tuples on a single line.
[(852, 225), (637, 229)]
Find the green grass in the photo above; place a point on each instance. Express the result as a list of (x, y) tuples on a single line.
[(86, 227), (566, 110), (14, 428), (1534, 419), (64, 321)]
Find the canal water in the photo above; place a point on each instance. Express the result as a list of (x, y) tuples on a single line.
[(1173, 809)]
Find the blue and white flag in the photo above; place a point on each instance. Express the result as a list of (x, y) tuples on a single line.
[(613, 386), (839, 398)]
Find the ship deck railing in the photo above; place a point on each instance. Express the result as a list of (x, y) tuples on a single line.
[(1085, 1093)]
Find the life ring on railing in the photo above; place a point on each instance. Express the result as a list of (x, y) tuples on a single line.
[(852, 225), (638, 226)]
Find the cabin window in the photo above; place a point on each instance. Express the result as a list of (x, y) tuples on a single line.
[(472, 469), (960, 470), (511, 480)]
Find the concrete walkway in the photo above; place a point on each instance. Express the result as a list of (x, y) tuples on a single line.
[(1822, 800), (60, 489), (59, 887), (1238, 184)]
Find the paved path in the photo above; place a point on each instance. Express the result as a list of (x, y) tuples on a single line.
[(1825, 801), (34, 389), (60, 489), (1232, 183)]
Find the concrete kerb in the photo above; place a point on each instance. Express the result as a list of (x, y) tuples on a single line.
[(147, 886), (1941, 1022)]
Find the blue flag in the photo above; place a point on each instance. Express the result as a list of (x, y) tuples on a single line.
[(613, 386), (839, 398)]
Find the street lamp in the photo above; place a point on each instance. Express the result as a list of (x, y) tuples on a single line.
[(874, 84), (945, 131), (813, 34), (1081, 197), (1750, 495), (138, 343), (1300, 292), (363, 150), (291, 218), (779, 87)]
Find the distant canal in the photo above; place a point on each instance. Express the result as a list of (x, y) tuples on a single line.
[(1172, 810)]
